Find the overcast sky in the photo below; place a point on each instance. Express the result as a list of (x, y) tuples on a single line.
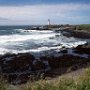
[(29, 12)]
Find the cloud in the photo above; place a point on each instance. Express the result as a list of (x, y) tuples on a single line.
[(3, 19), (36, 14)]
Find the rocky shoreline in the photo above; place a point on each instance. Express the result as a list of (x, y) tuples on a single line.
[(19, 68), (76, 33)]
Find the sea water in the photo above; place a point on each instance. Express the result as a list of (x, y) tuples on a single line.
[(15, 39)]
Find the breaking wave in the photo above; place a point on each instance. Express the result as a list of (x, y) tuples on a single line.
[(21, 41)]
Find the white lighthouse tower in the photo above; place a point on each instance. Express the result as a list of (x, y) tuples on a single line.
[(49, 22)]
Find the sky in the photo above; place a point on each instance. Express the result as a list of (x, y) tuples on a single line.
[(33, 12)]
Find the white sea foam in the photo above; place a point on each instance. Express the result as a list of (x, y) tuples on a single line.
[(38, 31), (34, 31), (13, 38), (73, 44), (44, 41), (3, 50)]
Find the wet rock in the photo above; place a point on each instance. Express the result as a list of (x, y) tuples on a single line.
[(19, 67), (11, 78), (20, 62), (62, 61), (7, 55), (66, 34), (64, 51), (23, 78), (77, 33), (82, 49), (38, 65), (53, 62)]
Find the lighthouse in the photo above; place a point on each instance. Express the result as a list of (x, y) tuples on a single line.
[(49, 22)]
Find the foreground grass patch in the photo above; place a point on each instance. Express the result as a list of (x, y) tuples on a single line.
[(80, 83)]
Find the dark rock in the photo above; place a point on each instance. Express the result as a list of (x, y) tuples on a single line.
[(38, 65), (7, 55), (23, 78), (64, 51), (77, 33), (82, 49), (11, 78), (66, 34), (53, 62), (20, 62), (19, 67), (62, 61)]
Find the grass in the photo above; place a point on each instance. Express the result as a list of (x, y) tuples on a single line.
[(84, 27), (2, 83), (64, 83)]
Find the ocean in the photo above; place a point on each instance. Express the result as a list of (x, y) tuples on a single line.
[(15, 39)]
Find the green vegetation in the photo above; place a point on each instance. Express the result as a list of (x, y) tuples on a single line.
[(79, 83), (2, 84), (84, 27)]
